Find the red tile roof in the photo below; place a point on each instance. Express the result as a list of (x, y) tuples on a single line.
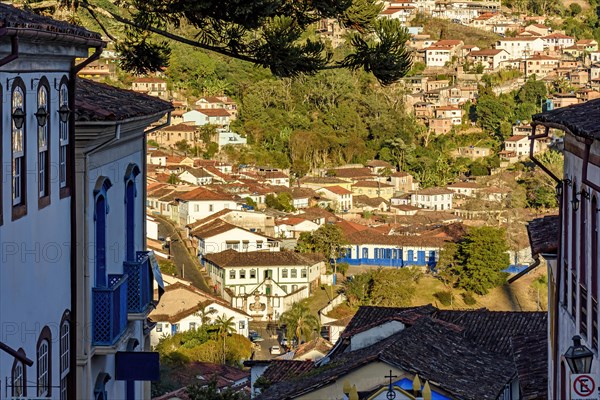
[(202, 194), (214, 112), (337, 190)]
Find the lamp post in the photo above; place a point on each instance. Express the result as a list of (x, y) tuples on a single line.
[(579, 357), (168, 240)]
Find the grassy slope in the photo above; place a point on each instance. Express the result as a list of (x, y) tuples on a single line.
[(444, 29)]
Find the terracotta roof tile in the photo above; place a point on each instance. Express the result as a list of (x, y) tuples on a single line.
[(544, 234), (12, 17), (99, 102), (231, 258)]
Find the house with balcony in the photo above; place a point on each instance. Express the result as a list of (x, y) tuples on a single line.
[(453, 113), (442, 52), (557, 41), (264, 285), (183, 307), (39, 311), (219, 102), (151, 86), (540, 65), (116, 278)]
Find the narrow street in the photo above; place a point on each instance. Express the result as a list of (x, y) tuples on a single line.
[(187, 265)]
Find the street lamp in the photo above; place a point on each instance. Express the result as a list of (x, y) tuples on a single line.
[(579, 357), (168, 240)]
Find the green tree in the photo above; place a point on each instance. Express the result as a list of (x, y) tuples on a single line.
[(447, 263), (224, 327), (394, 287), (491, 111), (328, 240), (182, 146), (268, 33), (167, 267), (482, 256), (173, 179), (300, 323), (205, 315)]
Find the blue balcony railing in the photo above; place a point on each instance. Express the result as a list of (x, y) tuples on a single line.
[(109, 311), (140, 284)]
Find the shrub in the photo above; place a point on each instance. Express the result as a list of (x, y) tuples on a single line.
[(469, 299), (445, 297)]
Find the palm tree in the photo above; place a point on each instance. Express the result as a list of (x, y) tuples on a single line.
[(224, 327), (300, 322), (205, 315)]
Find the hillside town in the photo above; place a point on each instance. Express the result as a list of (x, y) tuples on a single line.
[(231, 256)]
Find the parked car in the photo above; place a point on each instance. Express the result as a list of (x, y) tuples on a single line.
[(275, 350), (255, 337)]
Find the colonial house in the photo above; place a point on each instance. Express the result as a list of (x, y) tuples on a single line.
[(540, 65), (432, 199), (157, 157), (205, 116), (468, 189), (453, 113), (219, 235), (253, 221), (52, 287), (538, 29), (473, 354), (110, 140), (301, 197), (473, 152), (373, 189), (151, 86), (184, 307), (371, 247), (366, 203), (557, 41), (402, 13), (201, 202), (196, 176), (172, 134), (519, 145), (293, 227), (521, 47), (442, 52), (342, 198), (490, 59), (264, 285), (569, 243), (401, 181), (218, 102)]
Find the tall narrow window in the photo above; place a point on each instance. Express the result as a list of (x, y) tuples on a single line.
[(19, 377), (130, 194), (100, 211), (44, 358), (583, 298), (18, 144), (63, 130), (65, 354), (43, 139)]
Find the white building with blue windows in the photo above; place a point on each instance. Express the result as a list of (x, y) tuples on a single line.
[(115, 281), (37, 312), (75, 284)]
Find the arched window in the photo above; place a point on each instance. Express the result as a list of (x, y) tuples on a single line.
[(65, 354), (100, 211), (19, 377), (18, 118), (42, 116), (63, 133), (130, 194), (44, 363)]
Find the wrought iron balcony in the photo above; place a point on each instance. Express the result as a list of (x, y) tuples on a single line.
[(109, 311), (140, 283)]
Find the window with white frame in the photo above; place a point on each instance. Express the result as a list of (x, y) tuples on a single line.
[(192, 326), (303, 272), (232, 274), (252, 274), (65, 367), (294, 273), (63, 131), (43, 157), (284, 273), (18, 379), (243, 274), (18, 145), (158, 327), (43, 375)]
